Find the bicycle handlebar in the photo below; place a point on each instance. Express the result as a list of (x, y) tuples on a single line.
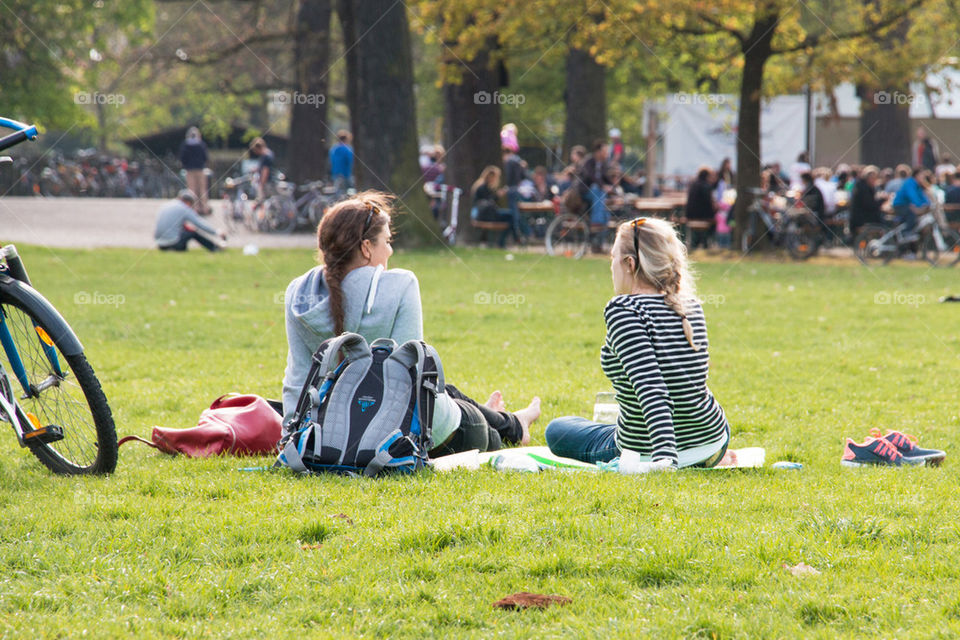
[(21, 132)]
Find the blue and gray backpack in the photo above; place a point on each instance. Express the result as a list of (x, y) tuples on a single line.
[(369, 412)]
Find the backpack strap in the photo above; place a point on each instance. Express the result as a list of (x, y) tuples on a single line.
[(323, 369), (353, 346)]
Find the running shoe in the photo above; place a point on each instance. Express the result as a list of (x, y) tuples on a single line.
[(874, 451), (906, 444)]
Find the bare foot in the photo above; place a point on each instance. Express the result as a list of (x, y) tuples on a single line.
[(496, 402), (527, 417), (729, 459)]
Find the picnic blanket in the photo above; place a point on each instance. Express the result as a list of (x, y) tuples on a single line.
[(541, 459)]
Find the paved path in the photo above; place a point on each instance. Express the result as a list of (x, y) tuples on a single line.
[(108, 222)]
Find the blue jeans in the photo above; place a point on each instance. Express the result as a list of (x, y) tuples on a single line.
[(906, 216), (597, 200), (581, 439)]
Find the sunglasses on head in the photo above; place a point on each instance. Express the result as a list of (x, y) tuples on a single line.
[(372, 209), (636, 223)]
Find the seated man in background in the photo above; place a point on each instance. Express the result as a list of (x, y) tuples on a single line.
[(178, 224), (701, 208)]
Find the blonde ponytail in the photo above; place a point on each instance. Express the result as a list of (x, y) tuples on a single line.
[(661, 261)]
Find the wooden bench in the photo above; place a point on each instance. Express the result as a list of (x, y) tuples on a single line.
[(488, 225)]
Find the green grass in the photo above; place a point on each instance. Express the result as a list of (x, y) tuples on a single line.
[(802, 356)]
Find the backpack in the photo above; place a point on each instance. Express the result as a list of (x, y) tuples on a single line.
[(370, 412)]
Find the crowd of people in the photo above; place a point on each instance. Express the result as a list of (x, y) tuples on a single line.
[(866, 192), (585, 185)]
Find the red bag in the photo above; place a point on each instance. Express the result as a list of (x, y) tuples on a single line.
[(239, 425)]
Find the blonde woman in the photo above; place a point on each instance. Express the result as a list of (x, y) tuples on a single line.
[(486, 191), (655, 355)]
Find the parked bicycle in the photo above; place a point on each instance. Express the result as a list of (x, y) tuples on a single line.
[(49, 393), (790, 226)]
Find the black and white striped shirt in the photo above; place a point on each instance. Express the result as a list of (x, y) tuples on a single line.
[(660, 381)]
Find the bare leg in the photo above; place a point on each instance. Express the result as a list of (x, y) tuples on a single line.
[(527, 417)]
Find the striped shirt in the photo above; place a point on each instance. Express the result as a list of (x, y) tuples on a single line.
[(659, 380)]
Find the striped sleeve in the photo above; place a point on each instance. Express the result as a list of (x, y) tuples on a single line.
[(628, 334)]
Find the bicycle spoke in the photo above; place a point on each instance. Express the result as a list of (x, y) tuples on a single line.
[(63, 404)]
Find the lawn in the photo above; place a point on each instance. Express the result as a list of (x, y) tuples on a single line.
[(802, 356)]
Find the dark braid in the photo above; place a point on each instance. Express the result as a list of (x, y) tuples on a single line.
[(342, 230)]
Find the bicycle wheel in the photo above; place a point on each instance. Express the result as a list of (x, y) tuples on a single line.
[(803, 237), (951, 241), (869, 245), (568, 236), (65, 393), (280, 215)]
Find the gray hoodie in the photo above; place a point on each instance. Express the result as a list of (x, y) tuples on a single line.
[(396, 314)]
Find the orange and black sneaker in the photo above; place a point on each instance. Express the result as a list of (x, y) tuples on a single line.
[(907, 446), (874, 451)]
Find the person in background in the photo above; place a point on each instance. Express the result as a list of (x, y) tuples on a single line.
[(910, 201), (486, 191), (542, 184), (701, 208), (723, 179), (780, 179), (178, 224), (797, 169), (595, 183), (893, 185), (828, 189), (616, 146), (193, 159), (945, 170), (952, 195), (435, 167), (925, 152), (341, 162), (265, 172), (865, 206), (812, 197), (568, 176)]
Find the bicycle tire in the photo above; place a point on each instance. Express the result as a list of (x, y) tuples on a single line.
[(280, 215), (89, 445), (951, 240), (867, 246), (803, 237), (569, 236)]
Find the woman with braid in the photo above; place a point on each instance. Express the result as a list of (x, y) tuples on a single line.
[(354, 291), (655, 355)]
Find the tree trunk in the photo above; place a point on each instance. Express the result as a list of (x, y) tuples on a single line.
[(349, 28), (884, 128), (471, 132), (385, 121), (586, 101), (309, 131), (756, 51)]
